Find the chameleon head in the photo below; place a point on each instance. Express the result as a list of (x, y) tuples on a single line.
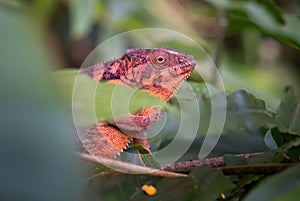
[(159, 71), (177, 63)]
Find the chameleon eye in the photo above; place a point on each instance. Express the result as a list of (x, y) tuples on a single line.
[(160, 59)]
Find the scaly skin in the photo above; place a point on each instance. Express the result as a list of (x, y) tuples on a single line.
[(158, 71)]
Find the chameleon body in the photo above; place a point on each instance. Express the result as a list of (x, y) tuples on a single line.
[(158, 71)]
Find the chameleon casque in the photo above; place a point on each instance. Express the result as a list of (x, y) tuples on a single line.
[(158, 71)]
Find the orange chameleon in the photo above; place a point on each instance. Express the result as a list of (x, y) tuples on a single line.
[(158, 71)]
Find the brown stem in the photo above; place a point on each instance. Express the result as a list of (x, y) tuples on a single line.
[(212, 162), (267, 168)]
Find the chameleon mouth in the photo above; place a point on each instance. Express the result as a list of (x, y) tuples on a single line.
[(188, 67)]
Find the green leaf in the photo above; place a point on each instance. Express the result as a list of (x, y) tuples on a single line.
[(113, 186), (284, 186), (64, 82), (273, 9), (243, 184), (107, 101), (246, 111), (202, 184), (36, 146), (270, 142), (81, 16), (288, 113), (287, 33), (276, 156), (279, 138), (211, 183), (288, 146), (268, 5), (147, 158), (264, 16)]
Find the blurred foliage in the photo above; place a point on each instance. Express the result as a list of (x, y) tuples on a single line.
[(265, 16), (274, 188), (252, 60), (37, 159), (257, 43)]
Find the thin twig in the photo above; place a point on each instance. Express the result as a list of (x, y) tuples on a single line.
[(129, 167), (266, 168), (211, 162), (169, 171)]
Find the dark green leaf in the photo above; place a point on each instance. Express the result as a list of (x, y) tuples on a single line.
[(243, 183), (284, 186), (287, 33), (113, 186), (272, 8), (246, 111), (268, 5), (211, 183), (265, 18), (288, 113), (290, 145), (147, 158), (202, 184), (275, 156), (37, 159), (280, 138)]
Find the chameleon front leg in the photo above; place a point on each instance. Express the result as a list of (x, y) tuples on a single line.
[(136, 124), (143, 141), (108, 139), (104, 140)]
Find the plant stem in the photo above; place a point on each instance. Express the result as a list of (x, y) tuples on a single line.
[(219, 164)]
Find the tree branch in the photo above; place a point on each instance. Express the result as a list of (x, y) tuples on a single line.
[(266, 168), (212, 162), (219, 164), (120, 165)]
